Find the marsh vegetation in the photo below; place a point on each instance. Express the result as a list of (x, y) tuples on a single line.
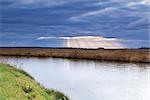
[(121, 55)]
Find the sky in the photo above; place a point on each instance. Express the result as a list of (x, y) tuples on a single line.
[(23, 22)]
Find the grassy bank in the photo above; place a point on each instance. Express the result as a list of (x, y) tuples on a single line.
[(122, 55), (18, 85)]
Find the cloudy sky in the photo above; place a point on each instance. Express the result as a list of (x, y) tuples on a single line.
[(24, 21)]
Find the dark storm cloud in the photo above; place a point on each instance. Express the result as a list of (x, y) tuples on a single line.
[(30, 19)]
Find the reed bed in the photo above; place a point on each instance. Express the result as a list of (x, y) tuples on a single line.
[(122, 55)]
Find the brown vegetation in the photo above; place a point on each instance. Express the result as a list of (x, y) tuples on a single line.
[(124, 55)]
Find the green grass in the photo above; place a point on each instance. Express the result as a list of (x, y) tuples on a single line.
[(18, 85)]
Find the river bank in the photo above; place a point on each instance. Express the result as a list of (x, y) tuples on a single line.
[(17, 84), (120, 55)]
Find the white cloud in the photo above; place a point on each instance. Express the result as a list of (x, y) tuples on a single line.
[(93, 13), (115, 10), (75, 37), (139, 22), (130, 4), (145, 2), (47, 38), (135, 3)]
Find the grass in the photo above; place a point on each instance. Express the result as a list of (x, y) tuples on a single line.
[(16, 84), (120, 55)]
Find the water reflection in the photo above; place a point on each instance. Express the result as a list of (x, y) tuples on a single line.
[(89, 80)]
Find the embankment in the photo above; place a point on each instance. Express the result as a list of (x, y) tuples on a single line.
[(16, 84)]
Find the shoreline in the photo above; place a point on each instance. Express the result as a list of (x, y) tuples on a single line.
[(113, 55), (25, 86)]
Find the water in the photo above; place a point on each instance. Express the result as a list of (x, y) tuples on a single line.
[(89, 80)]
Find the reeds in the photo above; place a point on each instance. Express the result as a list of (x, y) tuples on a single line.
[(122, 55)]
